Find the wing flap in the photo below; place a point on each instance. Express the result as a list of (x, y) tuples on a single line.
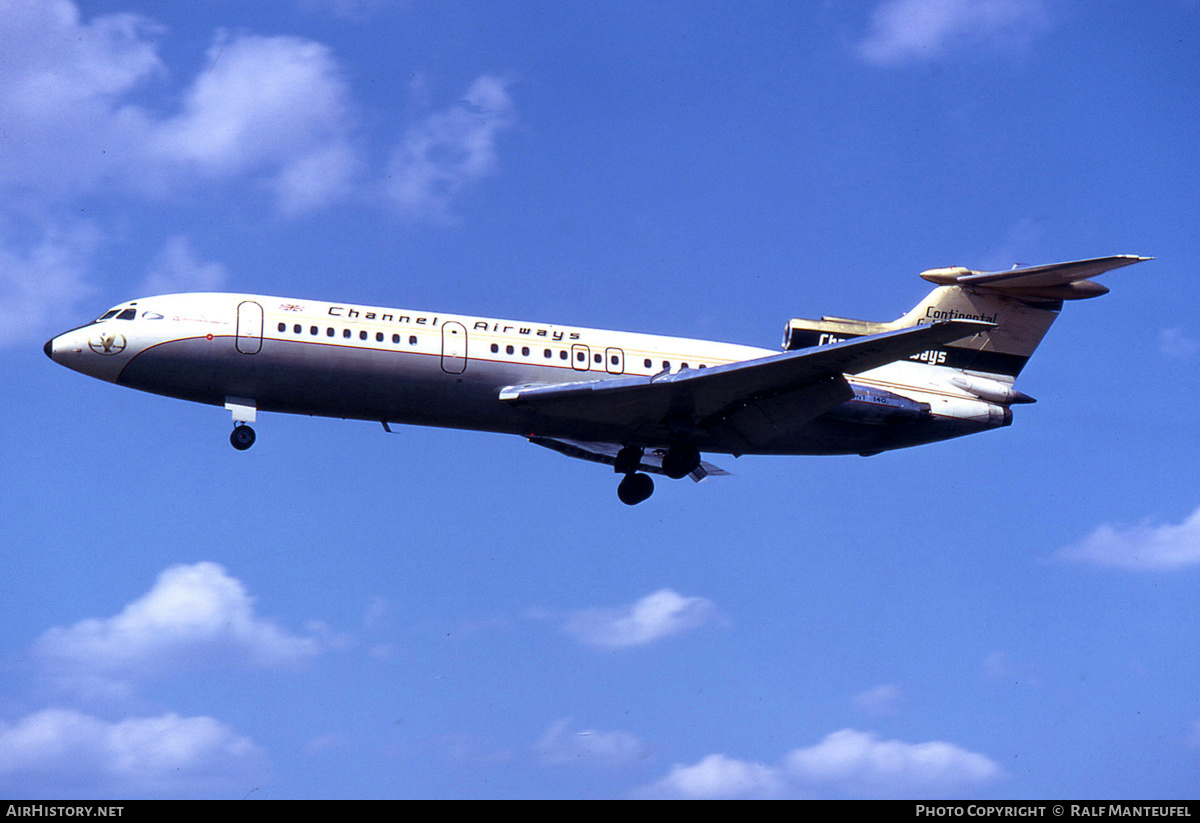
[(607, 453)]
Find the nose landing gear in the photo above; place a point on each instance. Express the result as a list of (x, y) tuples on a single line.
[(244, 411), (242, 437)]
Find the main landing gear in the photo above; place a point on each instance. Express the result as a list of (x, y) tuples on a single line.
[(242, 437), (679, 461), (635, 486)]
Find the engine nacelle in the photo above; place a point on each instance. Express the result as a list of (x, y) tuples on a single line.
[(801, 333), (992, 391)]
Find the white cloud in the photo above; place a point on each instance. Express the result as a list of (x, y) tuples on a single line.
[(272, 114), (1143, 547), (178, 269), (881, 700), (194, 616), (861, 765), (906, 30), (561, 745), (42, 279), (719, 777), (658, 615), (272, 109), (270, 106), (847, 763), (449, 150), (62, 87), (57, 750)]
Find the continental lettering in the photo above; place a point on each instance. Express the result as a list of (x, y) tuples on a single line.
[(955, 314)]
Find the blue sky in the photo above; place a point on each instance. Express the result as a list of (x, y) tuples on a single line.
[(341, 612)]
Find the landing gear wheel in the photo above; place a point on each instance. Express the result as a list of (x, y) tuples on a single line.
[(635, 488), (242, 437), (680, 460)]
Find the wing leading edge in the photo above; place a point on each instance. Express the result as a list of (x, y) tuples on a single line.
[(731, 401)]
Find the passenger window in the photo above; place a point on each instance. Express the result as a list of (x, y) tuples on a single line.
[(562, 355), (524, 351), (362, 335), (378, 337), (396, 339), (597, 357), (495, 348), (647, 363), (412, 340), (312, 330), (283, 326), (346, 333), (548, 354), (296, 328), (329, 332), (508, 349)]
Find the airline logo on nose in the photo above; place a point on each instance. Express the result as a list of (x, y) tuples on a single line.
[(107, 343)]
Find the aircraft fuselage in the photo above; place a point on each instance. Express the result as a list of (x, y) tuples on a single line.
[(434, 369)]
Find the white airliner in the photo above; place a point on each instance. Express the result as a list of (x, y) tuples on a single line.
[(641, 403)]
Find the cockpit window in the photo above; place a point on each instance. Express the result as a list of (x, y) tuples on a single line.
[(128, 314), (106, 315)]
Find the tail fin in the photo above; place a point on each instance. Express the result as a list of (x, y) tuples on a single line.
[(1023, 303)]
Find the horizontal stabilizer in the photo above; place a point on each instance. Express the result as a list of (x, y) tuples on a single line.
[(1058, 281)]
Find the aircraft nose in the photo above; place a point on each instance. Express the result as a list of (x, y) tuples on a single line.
[(49, 348)]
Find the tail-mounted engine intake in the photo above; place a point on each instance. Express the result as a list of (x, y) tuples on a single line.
[(801, 333)]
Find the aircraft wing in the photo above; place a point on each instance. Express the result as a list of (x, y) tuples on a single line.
[(607, 453), (797, 385)]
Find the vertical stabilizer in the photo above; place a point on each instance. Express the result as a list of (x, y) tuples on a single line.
[(1022, 302), (999, 353)]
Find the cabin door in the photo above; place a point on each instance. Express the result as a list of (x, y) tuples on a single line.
[(249, 327), (454, 348)]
